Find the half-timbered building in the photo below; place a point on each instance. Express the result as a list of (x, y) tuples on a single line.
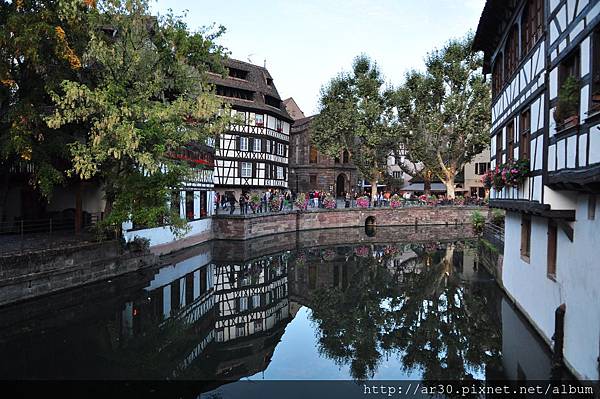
[(544, 57), (253, 153)]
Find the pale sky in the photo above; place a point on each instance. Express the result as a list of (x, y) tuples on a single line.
[(307, 42)]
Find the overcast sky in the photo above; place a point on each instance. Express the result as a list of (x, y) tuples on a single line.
[(307, 42)]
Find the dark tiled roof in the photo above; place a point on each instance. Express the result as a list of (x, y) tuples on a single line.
[(256, 81)]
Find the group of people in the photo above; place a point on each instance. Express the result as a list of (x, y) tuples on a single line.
[(228, 201)]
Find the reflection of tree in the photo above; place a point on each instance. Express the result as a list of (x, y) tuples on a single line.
[(350, 321), (435, 322)]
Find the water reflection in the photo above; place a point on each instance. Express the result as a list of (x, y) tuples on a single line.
[(219, 312)]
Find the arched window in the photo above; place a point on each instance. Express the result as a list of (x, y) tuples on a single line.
[(497, 77), (531, 25), (511, 52), (345, 157)]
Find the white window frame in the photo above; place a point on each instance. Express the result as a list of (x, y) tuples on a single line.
[(280, 173), (279, 125), (246, 169), (243, 143), (280, 149), (268, 146), (257, 145)]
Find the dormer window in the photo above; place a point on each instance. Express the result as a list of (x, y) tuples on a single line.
[(238, 73), (272, 101), (269, 82)]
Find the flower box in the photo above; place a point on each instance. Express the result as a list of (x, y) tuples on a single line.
[(362, 202)]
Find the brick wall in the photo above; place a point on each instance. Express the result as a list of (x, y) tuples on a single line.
[(252, 226)]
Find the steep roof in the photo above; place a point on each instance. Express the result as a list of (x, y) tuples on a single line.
[(302, 124), (489, 33), (258, 80), (293, 109)]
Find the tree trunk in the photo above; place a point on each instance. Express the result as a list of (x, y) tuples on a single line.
[(427, 185), (373, 191), (449, 183)]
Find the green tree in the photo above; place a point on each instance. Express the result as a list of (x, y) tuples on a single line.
[(144, 97), (41, 43), (356, 114), (444, 112)]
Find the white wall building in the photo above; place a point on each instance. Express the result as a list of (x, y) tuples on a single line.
[(537, 52)]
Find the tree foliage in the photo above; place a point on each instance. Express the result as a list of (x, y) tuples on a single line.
[(444, 112), (356, 114), (141, 96)]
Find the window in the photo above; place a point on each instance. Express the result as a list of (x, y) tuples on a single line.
[(592, 207), (203, 203), (568, 90), (232, 92), (345, 156), (272, 101), (256, 145), (531, 25), (552, 235), (313, 154), (397, 175), (242, 304), (511, 52), (255, 301), (240, 330), (279, 125), (246, 169), (258, 325), (595, 100), (481, 168), (525, 237), (244, 143), (220, 334), (280, 149), (280, 173), (499, 148), (268, 146), (313, 181), (189, 205), (525, 135), (260, 120), (176, 202), (497, 76), (510, 141), (203, 280)]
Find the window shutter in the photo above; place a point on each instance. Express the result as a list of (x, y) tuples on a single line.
[(253, 166), (240, 168), (250, 144)]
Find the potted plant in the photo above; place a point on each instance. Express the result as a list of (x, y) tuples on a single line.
[(566, 114), (395, 201), (301, 201), (254, 202), (274, 203), (363, 201), (329, 202), (459, 200), (362, 251)]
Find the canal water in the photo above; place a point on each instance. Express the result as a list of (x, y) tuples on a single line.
[(322, 305)]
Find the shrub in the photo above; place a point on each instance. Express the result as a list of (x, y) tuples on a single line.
[(478, 222), (329, 202), (497, 217)]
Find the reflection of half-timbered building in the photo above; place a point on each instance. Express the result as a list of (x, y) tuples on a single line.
[(253, 153), (252, 297), (544, 57)]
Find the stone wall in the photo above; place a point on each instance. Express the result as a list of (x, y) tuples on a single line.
[(252, 226), (38, 273)]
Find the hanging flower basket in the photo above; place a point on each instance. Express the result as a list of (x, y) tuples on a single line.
[(515, 172), (488, 179), (498, 181), (363, 201), (328, 255), (396, 201)]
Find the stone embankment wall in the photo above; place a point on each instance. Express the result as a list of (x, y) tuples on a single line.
[(235, 227), (38, 273)]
